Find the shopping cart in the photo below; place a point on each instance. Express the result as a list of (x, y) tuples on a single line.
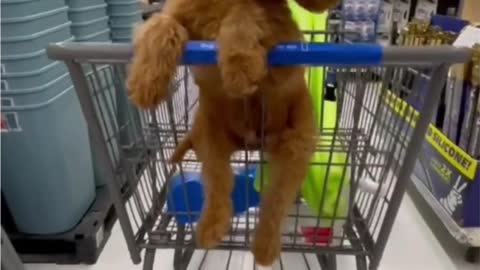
[(378, 148)]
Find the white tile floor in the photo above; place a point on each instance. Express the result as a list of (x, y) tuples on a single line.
[(412, 246)]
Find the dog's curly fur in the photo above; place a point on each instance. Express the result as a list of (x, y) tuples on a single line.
[(232, 96)]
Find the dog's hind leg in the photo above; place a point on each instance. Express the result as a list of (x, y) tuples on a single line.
[(214, 150), (182, 148), (289, 157)]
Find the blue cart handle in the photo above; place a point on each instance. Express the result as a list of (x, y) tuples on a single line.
[(308, 54), (288, 54)]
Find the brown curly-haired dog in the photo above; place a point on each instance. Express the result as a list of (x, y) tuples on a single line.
[(232, 96)]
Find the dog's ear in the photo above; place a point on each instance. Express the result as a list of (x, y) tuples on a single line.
[(318, 5)]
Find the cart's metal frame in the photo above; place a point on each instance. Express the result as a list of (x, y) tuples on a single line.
[(374, 140)]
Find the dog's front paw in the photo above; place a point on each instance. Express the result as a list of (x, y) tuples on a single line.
[(266, 245), (213, 225), (158, 46), (242, 72)]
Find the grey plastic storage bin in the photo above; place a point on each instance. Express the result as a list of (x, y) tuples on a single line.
[(26, 62), (22, 8), (35, 42), (101, 36), (34, 23), (88, 13), (125, 31), (126, 19), (87, 28), (47, 175), (83, 3), (32, 95), (24, 80), (125, 7), (22, 62), (122, 40)]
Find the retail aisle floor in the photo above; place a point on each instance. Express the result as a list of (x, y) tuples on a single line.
[(412, 246)]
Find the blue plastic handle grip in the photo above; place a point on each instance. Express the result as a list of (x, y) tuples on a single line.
[(288, 54)]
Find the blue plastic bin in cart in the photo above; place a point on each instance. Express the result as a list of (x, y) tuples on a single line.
[(47, 174)]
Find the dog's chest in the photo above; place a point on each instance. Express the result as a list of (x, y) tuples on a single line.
[(258, 115)]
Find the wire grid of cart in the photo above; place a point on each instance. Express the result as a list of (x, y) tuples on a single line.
[(134, 146)]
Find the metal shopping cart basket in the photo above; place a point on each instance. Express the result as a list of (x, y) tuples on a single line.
[(377, 138)]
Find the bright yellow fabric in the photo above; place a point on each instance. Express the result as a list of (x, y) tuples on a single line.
[(313, 186)]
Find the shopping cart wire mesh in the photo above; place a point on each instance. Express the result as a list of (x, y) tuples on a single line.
[(377, 149)]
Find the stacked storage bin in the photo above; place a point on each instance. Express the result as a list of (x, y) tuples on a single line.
[(90, 24), (124, 14), (47, 174), (89, 20)]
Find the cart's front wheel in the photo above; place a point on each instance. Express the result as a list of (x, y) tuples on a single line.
[(327, 261), (149, 259), (472, 255)]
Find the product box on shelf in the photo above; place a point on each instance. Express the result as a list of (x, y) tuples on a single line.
[(446, 176), (385, 23), (361, 17), (401, 12), (385, 18), (425, 9)]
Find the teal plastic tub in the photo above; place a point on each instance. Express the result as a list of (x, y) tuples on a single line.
[(87, 28), (12, 82), (122, 40), (22, 8), (126, 19), (83, 3), (87, 13), (122, 31), (26, 62), (102, 36), (32, 95), (125, 7), (47, 172), (34, 23), (25, 44)]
